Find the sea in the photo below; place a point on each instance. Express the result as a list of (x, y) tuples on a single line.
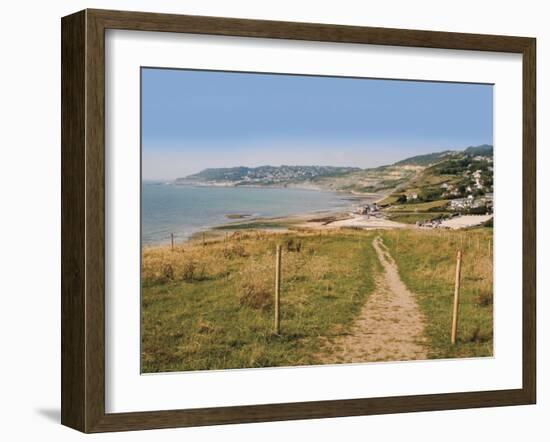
[(184, 210)]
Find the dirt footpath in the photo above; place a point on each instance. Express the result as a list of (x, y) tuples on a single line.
[(390, 326)]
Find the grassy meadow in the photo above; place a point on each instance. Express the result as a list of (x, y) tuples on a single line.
[(427, 262), (410, 213), (210, 306)]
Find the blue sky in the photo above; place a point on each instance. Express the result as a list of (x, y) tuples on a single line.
[(192, 120)]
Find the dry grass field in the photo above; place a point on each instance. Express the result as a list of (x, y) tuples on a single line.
[(427, 261), (210, 306)]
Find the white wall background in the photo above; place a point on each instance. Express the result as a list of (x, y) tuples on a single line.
[(30, 216)]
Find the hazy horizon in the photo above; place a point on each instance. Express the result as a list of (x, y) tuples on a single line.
[(229, 166), (194, 120)]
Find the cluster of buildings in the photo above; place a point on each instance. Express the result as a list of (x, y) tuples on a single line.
[(285, 174), (471, 202), (369, 210), (488, 159), (450, 190), (432, 224), (476, 184)]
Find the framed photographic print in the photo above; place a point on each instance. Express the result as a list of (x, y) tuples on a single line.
[(271, 220)]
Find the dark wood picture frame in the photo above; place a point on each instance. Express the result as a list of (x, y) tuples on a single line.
[(83, 220)]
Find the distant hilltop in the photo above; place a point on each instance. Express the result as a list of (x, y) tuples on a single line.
[(433, 158), (265, 175), (388, 178)]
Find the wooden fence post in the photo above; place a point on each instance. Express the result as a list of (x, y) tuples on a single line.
[(456, 298), (172, 240), (277, 289)]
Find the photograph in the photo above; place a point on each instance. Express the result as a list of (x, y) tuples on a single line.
[(303, 220)]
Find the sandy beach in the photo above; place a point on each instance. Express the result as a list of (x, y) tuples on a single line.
[(337, 220), (464, 221), (330, 219), (356, 221)]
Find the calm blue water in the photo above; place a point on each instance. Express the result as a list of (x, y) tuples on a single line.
[(184, 210)]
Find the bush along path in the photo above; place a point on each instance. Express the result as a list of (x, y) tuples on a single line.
[(390, 326)]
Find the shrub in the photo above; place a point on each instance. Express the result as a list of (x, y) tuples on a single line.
[(168, 271), (192, 271), (474, 335), (485, 298), (234, 250), (293, 246), (255, 295)]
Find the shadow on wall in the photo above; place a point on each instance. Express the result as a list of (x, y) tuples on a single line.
[(51, 414)]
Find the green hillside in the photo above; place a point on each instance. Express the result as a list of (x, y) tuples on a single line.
[(425, 160), (443, 175), (483, 150), (460, 183), (265, 174)]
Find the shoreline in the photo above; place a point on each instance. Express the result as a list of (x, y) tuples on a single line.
[(238, 222), (327, 219), (319, 220)]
